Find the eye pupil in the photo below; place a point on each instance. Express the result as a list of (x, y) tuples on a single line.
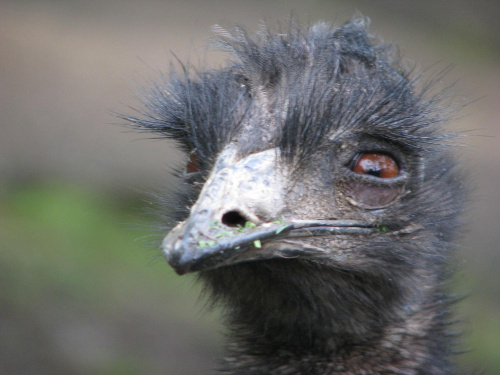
[(377, 165)]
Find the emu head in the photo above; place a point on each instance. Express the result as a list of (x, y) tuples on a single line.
[(318, 183)]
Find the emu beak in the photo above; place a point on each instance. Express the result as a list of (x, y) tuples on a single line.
[(251, 189)]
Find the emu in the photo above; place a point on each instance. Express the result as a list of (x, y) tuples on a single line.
[(319, 204)]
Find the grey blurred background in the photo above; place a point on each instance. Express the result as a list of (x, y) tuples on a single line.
[(81, 289)]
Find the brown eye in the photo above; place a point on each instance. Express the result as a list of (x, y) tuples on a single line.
[(193, 164), (378, 165)]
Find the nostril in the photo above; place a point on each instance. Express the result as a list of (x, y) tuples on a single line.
[(233, 219)]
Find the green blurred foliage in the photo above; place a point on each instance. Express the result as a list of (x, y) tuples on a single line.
[(80, 294)]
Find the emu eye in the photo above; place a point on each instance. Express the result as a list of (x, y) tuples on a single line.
[(376, 164), (193, 164)]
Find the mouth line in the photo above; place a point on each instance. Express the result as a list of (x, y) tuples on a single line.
[(223, 246)]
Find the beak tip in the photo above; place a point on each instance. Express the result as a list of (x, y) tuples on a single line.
[(180, 272), (182, 261), (176, 262), (179, 260)]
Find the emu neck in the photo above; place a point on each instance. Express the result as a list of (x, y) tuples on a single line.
[(284, 318)]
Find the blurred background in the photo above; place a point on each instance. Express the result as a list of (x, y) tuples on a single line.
[(82, 288)]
